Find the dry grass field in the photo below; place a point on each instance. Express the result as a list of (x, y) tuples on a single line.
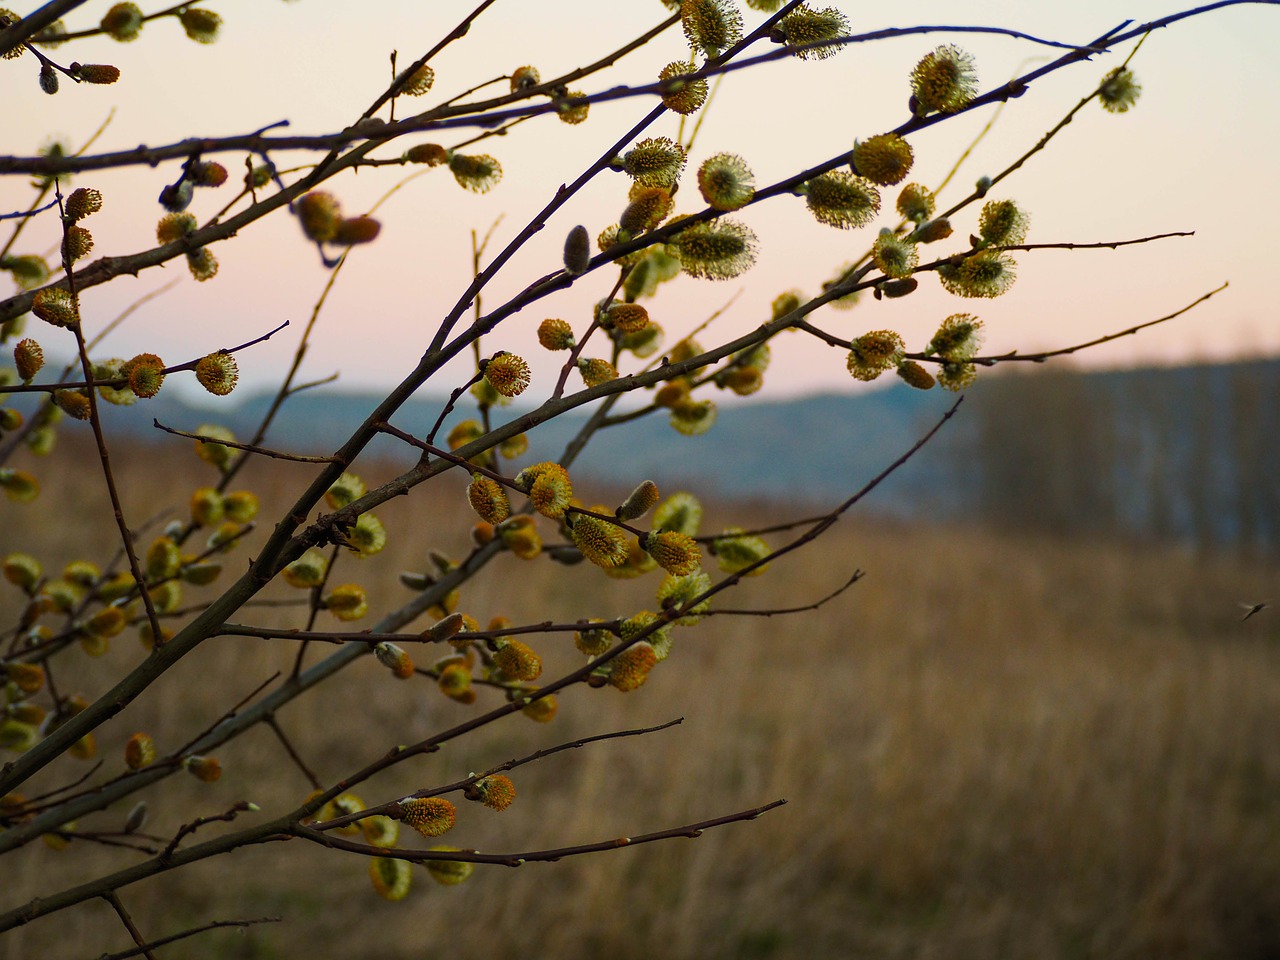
[(993, 746)]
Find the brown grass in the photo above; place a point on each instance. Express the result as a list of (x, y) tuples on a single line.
[(993, 746)]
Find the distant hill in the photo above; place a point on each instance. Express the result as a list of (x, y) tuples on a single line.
[(812, 449), (1188, 452)]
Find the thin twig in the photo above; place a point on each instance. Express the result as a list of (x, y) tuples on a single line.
[(173, 938), (187, 829), (112, 898), (393, 805), (690, 830), (777, 611), (95, 422), (247, 447), (274, 724)]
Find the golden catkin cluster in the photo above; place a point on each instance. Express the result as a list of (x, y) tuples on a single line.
[(649, 206), (478, 173), (391, 878), (985, 274), (596, 371), (630, 669), (943, 81), (600, 541), (1003, 222), (430, 816), (875, 352), (804, 25), (885, 160), (655, 162), (555, 334), (508, 374), (218, 373), (842, 199), (675, 552), (1119, 91), (548, 486), (448, 872), (495, 791), (715, 250), (726, 182), (680, 95), (488, 499), (711, 26), (516, 660)]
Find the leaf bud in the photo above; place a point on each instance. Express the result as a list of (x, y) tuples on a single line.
[(200, 25), (395, 659), (206, 769), (122, 22), (176, 197), (48, 79), (320, 215), (432, 154), (641, 500), (577, 251), (139, 751)]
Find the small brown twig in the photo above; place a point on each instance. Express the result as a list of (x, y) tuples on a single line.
[(187, 829), (273, 723), (778, 611), (112, 898), (247, 447), (393, 806), (173, 938), (690, 830), (95, 422)]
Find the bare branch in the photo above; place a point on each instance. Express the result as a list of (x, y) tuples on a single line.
[(173, 938), (690, 830)]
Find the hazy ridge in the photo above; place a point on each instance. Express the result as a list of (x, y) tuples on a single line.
[(1140, 450)]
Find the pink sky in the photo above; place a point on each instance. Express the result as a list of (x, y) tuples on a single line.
[(1197, 153)]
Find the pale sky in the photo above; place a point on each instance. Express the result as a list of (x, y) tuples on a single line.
[(1197, 153)]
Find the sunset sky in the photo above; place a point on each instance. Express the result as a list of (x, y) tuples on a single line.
[(1197, 153)]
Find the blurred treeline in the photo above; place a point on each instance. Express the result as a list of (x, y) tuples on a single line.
[(1185, 453)]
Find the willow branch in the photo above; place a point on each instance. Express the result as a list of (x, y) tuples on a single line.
[(247, 447), (174, 938), (691, 830)]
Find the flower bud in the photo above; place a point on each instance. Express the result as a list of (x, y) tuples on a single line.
[(200, 25), (391, 877), (139, 751), (394, 659), (48, 78), (641, 500), (206, 769), (495, 791)]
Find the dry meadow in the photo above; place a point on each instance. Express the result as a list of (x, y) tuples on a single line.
[(993, 746)]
